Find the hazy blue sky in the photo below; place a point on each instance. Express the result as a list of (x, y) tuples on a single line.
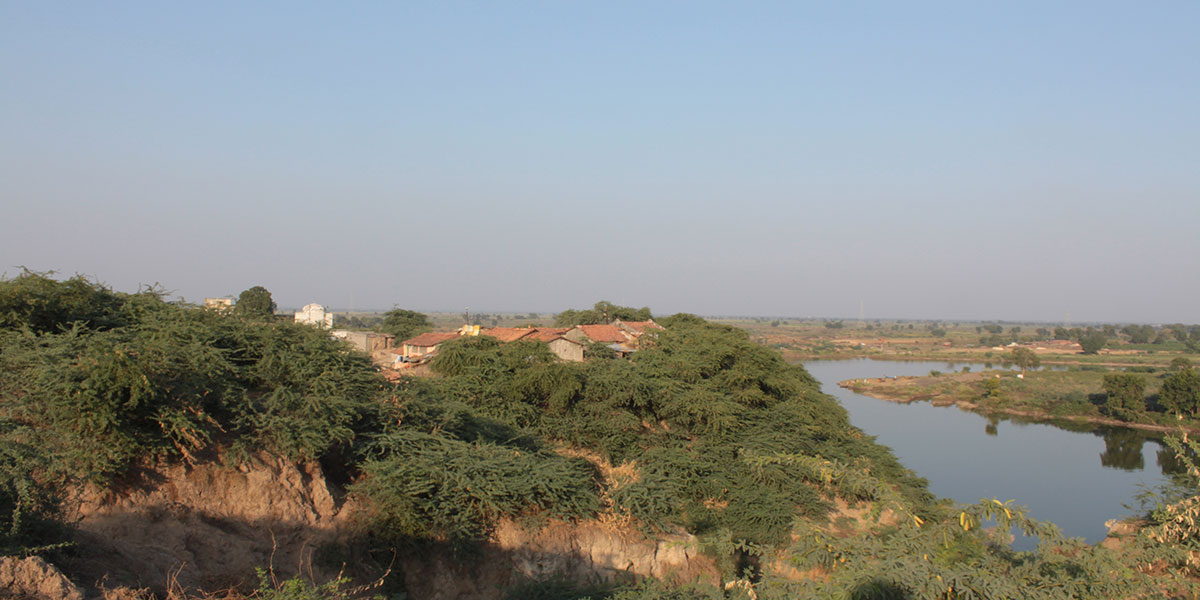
[(961, 160)]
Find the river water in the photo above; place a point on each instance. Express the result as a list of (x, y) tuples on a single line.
[(1076, 479)]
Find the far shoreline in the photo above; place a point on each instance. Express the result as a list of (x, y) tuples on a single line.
[(1038, 416)]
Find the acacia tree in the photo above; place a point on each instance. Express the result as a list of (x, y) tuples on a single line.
[(1026, 359), (1126, 392), (404, 323), (1180, 392), (1092, 342), (256, 302)]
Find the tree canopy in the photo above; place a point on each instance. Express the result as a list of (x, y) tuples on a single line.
[(1025, 358), (1092, 343), (1180, 392), (602, 312), (256, 302), (404, 324), (1126, 392)]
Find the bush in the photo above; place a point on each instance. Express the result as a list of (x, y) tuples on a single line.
[(1180, 392), (426, 486), (1125, 393)]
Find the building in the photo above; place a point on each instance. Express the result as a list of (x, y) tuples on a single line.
[(606, 334), (221, 304), (555, 338), (508, 334), (315, 315), (423, 345), (365, 341), (636, 328)]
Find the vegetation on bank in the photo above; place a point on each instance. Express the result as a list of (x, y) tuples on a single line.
[(1166, 399), (712, 433), (1117, 344)]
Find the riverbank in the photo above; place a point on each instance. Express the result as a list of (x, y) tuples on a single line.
[(1045, 396)]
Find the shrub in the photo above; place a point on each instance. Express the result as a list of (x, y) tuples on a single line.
[(1180, 392), (1125, 393)]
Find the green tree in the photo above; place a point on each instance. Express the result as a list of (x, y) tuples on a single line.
[(404, 323), (1126, 393), (603, 312), (1180, 362), (1180, 392), (256, 302), (1026, 359), (938, 332), (1092, 342)]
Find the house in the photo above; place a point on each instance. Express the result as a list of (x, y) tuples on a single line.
[(607, 334), (365, 341), (423, 345), (508, 334), (315, 315), (636, 328), (554, 337), (1055, 346), (221, 304)]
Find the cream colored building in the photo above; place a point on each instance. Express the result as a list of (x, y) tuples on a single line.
[(315, 315)]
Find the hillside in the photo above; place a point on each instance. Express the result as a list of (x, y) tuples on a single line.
[(144, 440)]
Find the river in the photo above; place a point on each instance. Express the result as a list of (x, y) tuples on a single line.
[(1077, 478)]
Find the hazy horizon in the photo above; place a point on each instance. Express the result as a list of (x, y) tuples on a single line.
[(931, 160)]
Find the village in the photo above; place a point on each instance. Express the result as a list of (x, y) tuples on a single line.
[(409, 356)]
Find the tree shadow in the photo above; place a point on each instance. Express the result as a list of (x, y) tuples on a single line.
[(880, 589)]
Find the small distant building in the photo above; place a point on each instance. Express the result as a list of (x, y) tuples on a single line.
[(423, 344), (315, 315), (365, 341), (1059, 346), (607, 334), (508, 334), (221, 304), (636, 328), (554, 337)]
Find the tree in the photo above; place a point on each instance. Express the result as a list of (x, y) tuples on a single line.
[(1026, 359), (1126, 393), (1180, 392), (602, 313), (938, 332), (256, 302), (1180, 362), (404, 323), (1092, 342)]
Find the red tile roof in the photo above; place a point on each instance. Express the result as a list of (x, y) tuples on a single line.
[(548, 334), (642, 326), (507, 334), (603, 333), (429, 339)]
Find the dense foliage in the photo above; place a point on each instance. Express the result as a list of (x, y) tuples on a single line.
[(699, 430), (404, 324), (1180, 392), (256, 302), (602, 313), (1125, 393)]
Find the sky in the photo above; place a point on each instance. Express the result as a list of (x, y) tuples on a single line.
[(923, 160)]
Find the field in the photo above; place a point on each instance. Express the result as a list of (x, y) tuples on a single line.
[(800, 340)]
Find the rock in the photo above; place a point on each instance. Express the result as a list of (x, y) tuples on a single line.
[(206, 527), (34, 579)]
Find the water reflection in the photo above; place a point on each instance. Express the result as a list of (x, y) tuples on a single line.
[(993, 425), (1050, 467), (1122, 449)]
